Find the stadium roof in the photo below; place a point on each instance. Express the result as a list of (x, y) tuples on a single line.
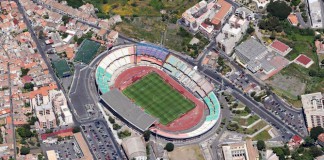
[(251, 48), (128, 110)]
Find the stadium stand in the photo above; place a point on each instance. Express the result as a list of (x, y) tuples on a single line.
[(110, 64), (150, 50), (142, 54)]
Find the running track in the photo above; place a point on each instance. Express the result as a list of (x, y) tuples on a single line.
[(186, 121)]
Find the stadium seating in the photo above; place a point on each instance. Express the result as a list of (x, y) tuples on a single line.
[(110, 64), (213, 105), (150, 50), (147, 55)]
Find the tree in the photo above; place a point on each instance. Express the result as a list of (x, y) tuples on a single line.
[(24, 150), (309, 141), (24, 131), (312, 73), (111, 120), (279, 9), (279, 152), (315, 151), (24, 71), (147, 135), (41, 34), (247, 109), (250, 30), (116, 126), (315, 131), (28, 86), (32, 120), (76, 129), (65, 19), (261, 145), (40, 157), (169, 147)]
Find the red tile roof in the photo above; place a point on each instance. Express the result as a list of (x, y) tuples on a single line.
[(62, 133), (293, 19), (303, 59), (296, 139), (220, 15), (279, 46)]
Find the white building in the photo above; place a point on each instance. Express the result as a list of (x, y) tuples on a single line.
[(240, 151), (315, 12), (231, 33), (313, 105), (46, 116), (60, 106), (66, 115), (134, 148)]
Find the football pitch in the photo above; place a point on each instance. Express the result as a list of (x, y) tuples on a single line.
[(158, 98)]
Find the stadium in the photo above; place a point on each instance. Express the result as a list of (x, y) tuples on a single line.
[(150, 88)]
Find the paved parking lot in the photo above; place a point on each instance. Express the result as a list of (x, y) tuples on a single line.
[(101, 142), (292, 118), (67, 149)]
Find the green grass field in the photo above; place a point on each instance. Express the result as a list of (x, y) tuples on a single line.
[(87, 51), (62, 68), (158, 98)]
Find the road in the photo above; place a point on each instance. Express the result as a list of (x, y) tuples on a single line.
[(12, 115), (11, 104)]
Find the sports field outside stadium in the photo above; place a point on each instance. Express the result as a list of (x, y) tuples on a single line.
[(158, 98)]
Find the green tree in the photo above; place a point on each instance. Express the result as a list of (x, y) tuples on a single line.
[(261, 145), (279, 152), (250, 30), (309, 141), (65, 19), (279, 9), (24, 71), (28, 86), (24, 131), (76, 129), (40, 157), (147, 135), (24, 150), (32, 120), (315, 131), (169, 147), (312, 73), (111, 120), (315, 151), (116, 126)]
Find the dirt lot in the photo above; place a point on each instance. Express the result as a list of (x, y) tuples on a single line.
[(288, 87), (288, 84), (191, 152)]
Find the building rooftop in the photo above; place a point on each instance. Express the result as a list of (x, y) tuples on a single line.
[(251, 48), (51, 155), (128, 110), (303, 59), (134, 147), (84, 147), (292, 18), (220, 15), (279, 46)]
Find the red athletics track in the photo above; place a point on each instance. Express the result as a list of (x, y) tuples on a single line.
[(186, 121)]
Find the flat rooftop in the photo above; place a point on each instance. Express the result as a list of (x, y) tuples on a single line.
[(125, 108)]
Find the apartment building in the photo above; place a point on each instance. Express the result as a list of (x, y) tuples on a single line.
[(240, 151), (46, 116), (313, 105), (231, 33)]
